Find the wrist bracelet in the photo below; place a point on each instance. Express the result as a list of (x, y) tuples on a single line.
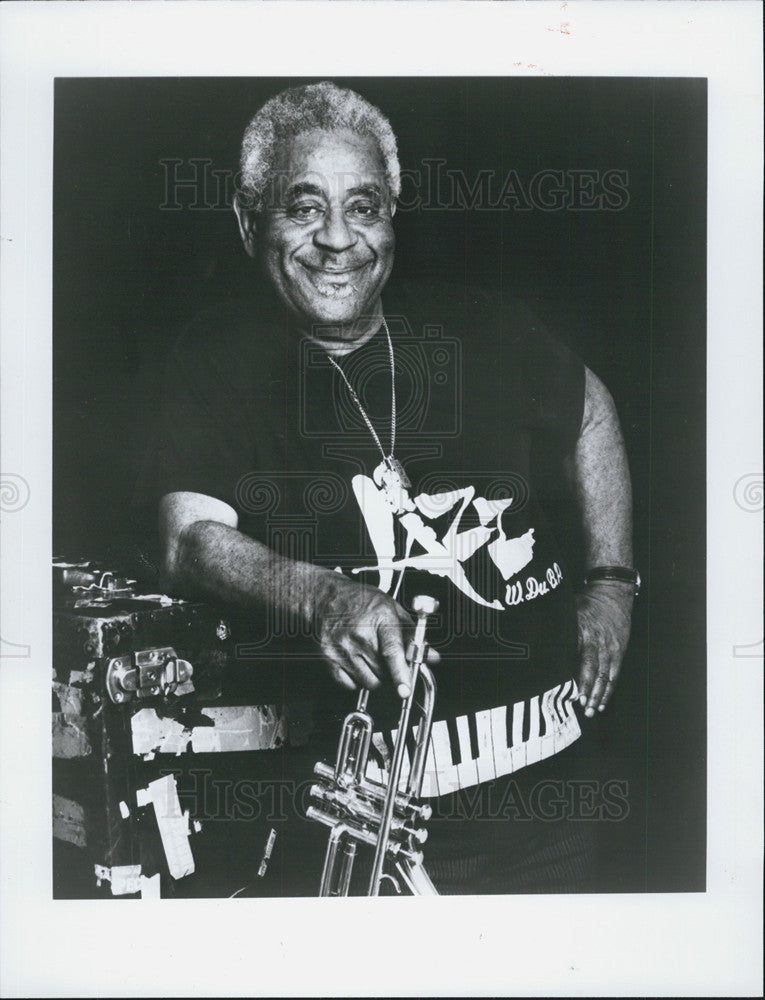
[(620, 573)]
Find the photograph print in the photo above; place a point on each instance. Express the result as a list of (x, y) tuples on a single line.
[(378, 486)]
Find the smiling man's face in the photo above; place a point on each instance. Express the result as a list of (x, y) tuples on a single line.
[(325, 237)]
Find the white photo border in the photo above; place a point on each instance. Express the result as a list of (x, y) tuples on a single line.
[(706, 944)]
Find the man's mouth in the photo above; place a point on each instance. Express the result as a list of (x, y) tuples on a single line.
[(333, 281), (333, 270)]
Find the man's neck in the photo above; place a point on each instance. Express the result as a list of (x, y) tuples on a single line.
[(341, 340)]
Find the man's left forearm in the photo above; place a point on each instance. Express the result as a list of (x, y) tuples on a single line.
[(601, 482)]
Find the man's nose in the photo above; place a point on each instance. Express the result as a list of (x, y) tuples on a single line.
[(335, 234)]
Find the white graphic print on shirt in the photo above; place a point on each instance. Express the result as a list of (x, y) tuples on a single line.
[(549, 719), (499, 747), (443, 556)]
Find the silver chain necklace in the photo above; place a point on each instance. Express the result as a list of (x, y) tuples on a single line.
[(390, 472)]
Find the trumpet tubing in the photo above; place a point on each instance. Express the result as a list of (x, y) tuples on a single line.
[(359, 810)]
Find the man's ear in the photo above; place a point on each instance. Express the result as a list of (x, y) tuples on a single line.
[(246, 218)]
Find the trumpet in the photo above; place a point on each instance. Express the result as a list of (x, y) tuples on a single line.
[(359, 810)]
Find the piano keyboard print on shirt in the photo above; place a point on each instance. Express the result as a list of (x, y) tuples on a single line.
[(503, 740)]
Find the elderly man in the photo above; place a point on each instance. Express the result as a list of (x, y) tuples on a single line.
[(437, 418)]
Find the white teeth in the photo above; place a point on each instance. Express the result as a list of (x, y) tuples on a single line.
[(330, 289), (333, 285)]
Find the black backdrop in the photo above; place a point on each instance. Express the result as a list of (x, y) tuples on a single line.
[(621, 281)]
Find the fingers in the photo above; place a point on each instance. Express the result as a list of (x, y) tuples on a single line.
[(593, 677), (587, 673), (360, 664), (361, 635), (613, 674), (597, 678), (603, 635), (350, 666), (338, 674), (391, 646), (598, 686)]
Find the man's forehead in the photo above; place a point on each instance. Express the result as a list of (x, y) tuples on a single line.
[(330, 161), (348, 185)]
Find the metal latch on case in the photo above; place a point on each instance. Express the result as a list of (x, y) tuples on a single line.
[(145, 674)]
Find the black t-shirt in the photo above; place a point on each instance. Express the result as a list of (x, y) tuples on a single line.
[(487, 407)]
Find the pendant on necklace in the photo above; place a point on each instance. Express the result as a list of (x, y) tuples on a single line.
[(394, 483), (392, 474)]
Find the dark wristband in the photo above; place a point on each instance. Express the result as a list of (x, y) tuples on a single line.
[(620, 573)]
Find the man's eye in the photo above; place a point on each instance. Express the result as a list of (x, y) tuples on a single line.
[(365, 210), (304, 212)]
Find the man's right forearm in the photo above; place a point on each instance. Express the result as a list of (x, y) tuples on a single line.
[(217, 562), (358, 629)]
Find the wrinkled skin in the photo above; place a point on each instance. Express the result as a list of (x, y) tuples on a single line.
[(361, 633), (604, 612)]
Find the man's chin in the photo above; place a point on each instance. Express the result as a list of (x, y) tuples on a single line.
[(337, 310)]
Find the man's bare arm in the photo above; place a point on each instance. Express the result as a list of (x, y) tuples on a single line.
[(601, 482), (206, 556), (358, 628)]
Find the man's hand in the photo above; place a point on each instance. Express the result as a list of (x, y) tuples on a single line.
[(359, 631), (604, 611)]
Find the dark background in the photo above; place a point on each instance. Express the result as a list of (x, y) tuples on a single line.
[(625, 289)]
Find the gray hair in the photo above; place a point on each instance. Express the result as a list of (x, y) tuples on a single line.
[(298, 110)]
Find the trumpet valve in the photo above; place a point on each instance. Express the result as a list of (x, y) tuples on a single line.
[(418, 834), (425, 812), (422, 604)]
